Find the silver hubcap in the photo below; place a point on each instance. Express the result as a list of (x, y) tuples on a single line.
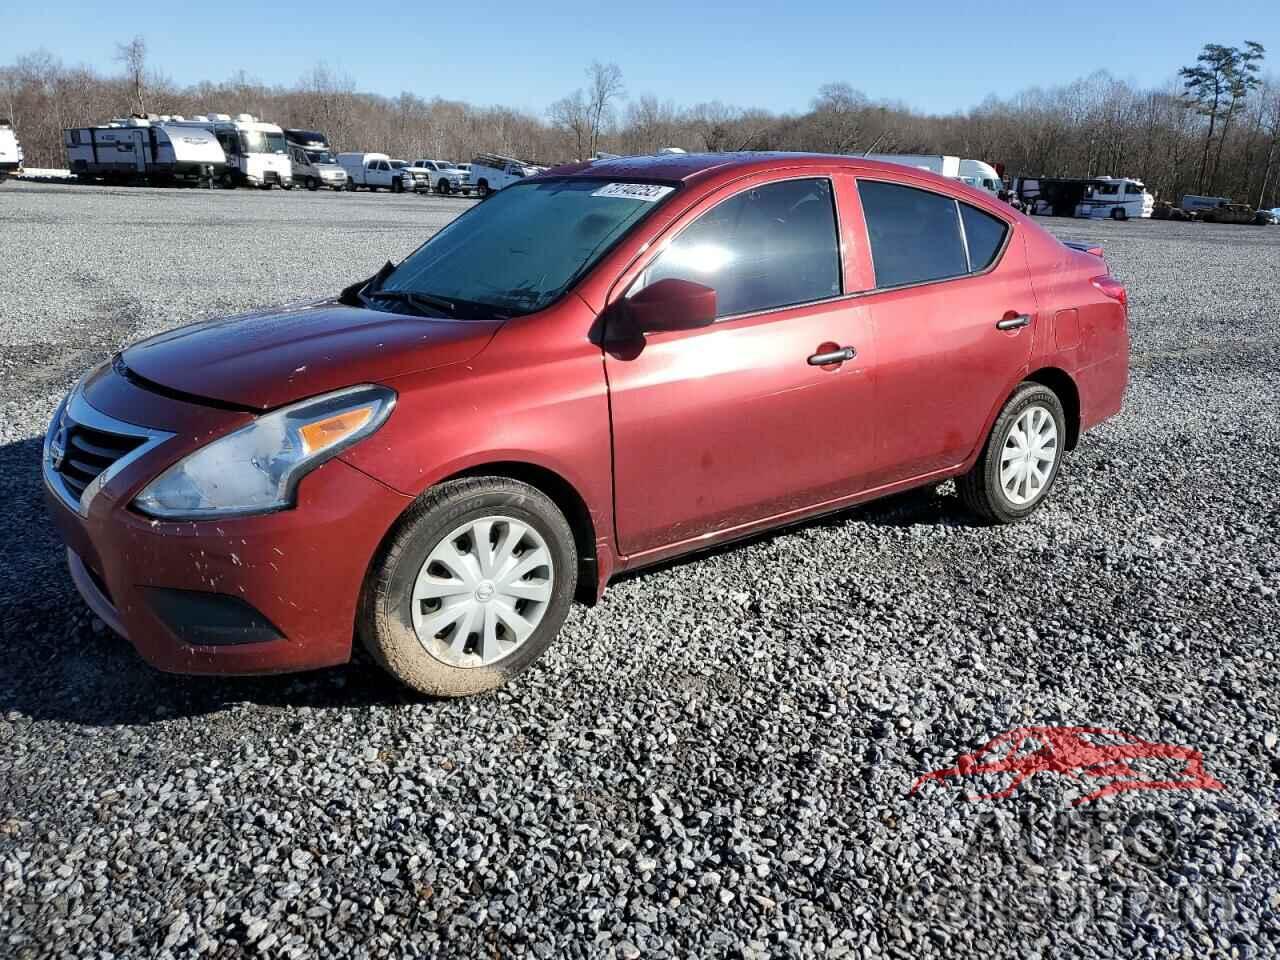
[(482, 591), (1030, 449)]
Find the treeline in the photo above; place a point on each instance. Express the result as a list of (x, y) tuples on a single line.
[(1213, 130)]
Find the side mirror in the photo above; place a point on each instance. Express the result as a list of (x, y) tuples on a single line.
[(672, 304)]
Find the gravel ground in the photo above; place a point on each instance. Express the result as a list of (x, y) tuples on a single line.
[(714, 761)]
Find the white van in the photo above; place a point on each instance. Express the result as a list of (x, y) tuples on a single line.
[(1120, 198), (490, 172), (10, 151), (257, 152), (314, 165)]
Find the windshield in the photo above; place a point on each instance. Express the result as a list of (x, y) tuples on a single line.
[(255, 141), (521, 249), (398, 164), (320, 156)]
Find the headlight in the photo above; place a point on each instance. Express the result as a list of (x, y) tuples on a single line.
[(256, 469)]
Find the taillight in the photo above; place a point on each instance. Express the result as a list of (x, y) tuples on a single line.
[(1113, 288)]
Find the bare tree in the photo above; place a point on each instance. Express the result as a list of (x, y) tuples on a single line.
[(603, 88), (134, 57), (572, 116)]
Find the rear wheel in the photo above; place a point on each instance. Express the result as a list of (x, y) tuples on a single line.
[(471, 588), (1118, 213), (1019, 463), (482, 188)]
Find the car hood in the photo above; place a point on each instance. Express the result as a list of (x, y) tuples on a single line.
[(267, 359)]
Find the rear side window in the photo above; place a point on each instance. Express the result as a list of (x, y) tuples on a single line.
[(985, 235), (768, 247), (915, 235)]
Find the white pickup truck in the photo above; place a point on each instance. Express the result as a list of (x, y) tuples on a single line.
[(445, 177), (490, 172), (374, 171)]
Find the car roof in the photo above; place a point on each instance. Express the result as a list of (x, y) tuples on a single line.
[(688, 166)]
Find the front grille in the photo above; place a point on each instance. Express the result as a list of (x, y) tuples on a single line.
[(89, 452)]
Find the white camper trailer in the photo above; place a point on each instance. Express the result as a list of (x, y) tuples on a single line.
[(10, 151), (257, 152), (975, 173), (158, 150)]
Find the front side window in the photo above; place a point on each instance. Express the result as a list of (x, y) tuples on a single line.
[(521, 249), (768, 247), (915, 234), (1133, 190), (1108, 190)]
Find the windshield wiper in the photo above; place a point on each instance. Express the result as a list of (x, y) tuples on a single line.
[(420, 300)]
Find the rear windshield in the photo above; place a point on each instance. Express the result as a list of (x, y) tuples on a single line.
[(523, 247)]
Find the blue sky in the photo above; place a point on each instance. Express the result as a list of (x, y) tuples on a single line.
[(936, 56)]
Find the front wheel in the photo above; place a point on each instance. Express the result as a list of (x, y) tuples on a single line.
[(313, 183), (1118, 213), (1020, 461), (471, 588)]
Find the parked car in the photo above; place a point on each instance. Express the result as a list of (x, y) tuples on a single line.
[(374, 171), (445, 177), (1266, 217), (593, 372), (490, 173)]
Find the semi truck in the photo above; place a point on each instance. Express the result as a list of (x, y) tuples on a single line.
[(976, 173), (153, 150)]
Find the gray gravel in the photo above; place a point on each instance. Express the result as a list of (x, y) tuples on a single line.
[(713, 762)]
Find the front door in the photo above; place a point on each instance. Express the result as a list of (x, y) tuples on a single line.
[(718, 427)]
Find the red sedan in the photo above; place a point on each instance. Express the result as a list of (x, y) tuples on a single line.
[(596, 369)]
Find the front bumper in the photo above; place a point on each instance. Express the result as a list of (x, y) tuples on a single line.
[(299, 571)]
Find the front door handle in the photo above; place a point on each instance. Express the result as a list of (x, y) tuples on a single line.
[(1013, 323), (832, 356)]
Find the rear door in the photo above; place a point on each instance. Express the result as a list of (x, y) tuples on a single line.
[(718, 427), (954, 316)]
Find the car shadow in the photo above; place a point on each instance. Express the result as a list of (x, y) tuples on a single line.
[(935, 505), (61, 665)]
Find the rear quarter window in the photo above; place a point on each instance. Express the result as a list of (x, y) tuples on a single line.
[(984, 234)]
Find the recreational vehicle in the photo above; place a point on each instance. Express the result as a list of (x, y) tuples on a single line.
[(257, 152), (10, 151), (159, 150), (314, 165), (1119, 198)]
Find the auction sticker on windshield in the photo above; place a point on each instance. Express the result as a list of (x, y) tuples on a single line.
[(648, 192)]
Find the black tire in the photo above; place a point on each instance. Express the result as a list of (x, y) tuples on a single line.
[(482, 188), (351, 186), (980, 488), (1118, 213), (313, 183), (443, 187), (397, 185), (385, 623)]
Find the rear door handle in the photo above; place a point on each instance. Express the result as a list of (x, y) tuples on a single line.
[(832, 356), (1013, 323)]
